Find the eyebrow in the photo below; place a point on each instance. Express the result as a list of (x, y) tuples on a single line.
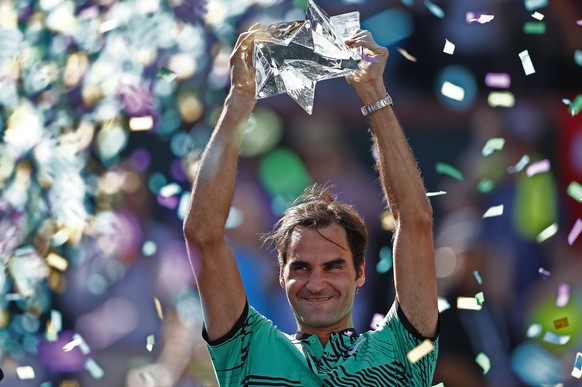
[(299, 263)]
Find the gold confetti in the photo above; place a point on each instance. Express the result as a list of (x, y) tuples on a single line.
[(57, 262), (561, 323), (159, 308), (420, 351), (406, 54)]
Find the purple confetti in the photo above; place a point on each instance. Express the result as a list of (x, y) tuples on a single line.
[(544, 273), (369, 58), (538, 167), (498, 80), (137, 100), (563, 295), (575, 232)]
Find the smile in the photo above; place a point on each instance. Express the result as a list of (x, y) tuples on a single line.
[(318, 299)]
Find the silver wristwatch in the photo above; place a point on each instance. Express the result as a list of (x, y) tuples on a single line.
[(375, 106)]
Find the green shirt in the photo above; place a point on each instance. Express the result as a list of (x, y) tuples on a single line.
[(256, 353)]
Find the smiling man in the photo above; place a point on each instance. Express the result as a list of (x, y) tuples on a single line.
[(320, 243)]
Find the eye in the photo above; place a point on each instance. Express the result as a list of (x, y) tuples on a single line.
[(333, 266), (299, 267)]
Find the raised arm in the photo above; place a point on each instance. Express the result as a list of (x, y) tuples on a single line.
[(414, 269), (217, 276)]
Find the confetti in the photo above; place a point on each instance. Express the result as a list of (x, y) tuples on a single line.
[(138, 124), (57, 262), (577, 371), (526, 62), (578, 57), (538, 16), (534, 28), (492, 145), (538, 167), (561, 323), (468, 303), (377, 319), (544, 273), (449, 47), (579, 22), (25, 372), (547, 233), (443, 304), (150, 341), (494, 211), (437, 193), (54, 325), (501, 99), (441, 384), (575, 191), (159, 308), (405, 54), (554, 338), (532, 5), (484, 362), (480, 297), (478, 277), (434, 9), (385, 263), (534, 330), (498, 80), (367, 58), (453, 91), (519, 166), (14, 297), (77, 342), (94, 369), (575, 231), (576, 105), (166, 75), (563, 295), (420, 351), (477, 17), (485, 185), (449, 170)]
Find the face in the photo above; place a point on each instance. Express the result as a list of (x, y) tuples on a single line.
[(319, 278)]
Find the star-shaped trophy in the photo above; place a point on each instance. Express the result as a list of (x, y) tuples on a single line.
[(300, 53)]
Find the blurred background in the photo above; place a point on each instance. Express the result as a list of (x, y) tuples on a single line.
[(105, 109)]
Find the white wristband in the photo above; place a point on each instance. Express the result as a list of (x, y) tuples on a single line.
[(375, 106)]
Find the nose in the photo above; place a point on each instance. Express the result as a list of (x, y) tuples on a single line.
[(316, 282)]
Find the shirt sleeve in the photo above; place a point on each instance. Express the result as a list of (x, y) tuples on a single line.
[(229, 353), (405, 338)]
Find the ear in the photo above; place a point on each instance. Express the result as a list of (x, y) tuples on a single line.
[(362, 278), (281, 278)]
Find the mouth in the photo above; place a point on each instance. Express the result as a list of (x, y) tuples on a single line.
[(317, 299)]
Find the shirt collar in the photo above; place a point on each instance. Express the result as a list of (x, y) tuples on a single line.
[(349, 332)]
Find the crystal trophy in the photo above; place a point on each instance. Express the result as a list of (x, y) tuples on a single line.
[(300, 53)]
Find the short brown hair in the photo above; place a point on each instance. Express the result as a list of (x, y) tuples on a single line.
[(315, 208)]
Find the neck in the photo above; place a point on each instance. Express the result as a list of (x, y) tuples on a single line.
[(324, 333)]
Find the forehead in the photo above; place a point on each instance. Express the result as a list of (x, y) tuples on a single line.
[(326, 242)]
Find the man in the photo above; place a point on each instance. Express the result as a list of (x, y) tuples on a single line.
[(320, 243)]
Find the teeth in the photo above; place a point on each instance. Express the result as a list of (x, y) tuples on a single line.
[(318, 299)]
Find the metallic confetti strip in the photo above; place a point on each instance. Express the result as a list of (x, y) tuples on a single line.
[(420, 351)]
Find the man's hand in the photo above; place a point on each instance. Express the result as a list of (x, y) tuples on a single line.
[(374, 58), (242, 69)]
